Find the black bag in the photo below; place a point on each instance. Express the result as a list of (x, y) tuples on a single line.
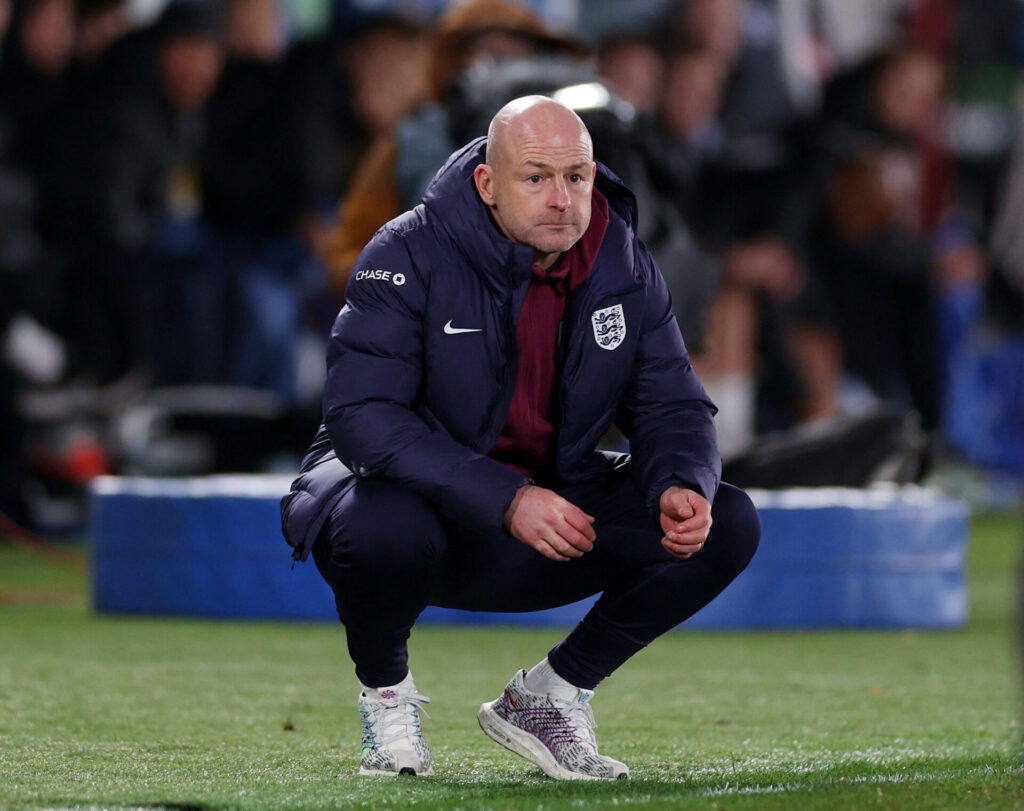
[(884, 445)]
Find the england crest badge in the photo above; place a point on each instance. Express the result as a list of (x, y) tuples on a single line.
[(609, 326)]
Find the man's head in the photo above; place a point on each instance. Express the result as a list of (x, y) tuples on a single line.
[(539, 175), (191, 53), (46, 29), (5, 18), (386, 68)]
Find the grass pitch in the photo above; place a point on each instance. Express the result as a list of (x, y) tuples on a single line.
[(119, 712)]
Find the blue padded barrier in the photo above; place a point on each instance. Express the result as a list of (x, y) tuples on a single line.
[(203, 547), (211, 547)]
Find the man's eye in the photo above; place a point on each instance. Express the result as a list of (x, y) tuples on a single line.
[(534, 178), (575, 178)]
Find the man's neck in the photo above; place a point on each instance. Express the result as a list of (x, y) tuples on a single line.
[(547, 261)]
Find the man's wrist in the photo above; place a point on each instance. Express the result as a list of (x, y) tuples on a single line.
[(514, 503)]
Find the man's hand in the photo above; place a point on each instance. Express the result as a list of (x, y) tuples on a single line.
[(556, 528), (685, 520)]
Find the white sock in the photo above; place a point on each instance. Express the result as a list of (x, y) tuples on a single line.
[(543, 679), (406, 685)]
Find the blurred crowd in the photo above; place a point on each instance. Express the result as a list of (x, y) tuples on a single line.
[(831, 189)]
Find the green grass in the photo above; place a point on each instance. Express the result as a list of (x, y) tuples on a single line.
[(139, 712)]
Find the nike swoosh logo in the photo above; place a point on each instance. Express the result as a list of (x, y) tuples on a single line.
[(450, 330)]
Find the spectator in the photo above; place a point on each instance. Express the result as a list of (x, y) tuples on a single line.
[(20, 246), (250, 168), (100, 25), (761, 272), (387, 64), (688, 114), (131, 207), (873, 251), (346, 89), (747, 37), (34, 87), (29, 353), (632, 64), (983, 323), (106, 55), (727, 117), (35, 73)]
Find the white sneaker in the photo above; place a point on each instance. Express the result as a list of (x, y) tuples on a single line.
[(392, 740), (555, 734)]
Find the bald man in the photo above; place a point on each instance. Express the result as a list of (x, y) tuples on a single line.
[(491, 337)]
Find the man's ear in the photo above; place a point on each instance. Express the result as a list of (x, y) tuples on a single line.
[(483, 180)]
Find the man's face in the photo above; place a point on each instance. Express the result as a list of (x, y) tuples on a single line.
[(191, 66), (48, 35), (539, 186)]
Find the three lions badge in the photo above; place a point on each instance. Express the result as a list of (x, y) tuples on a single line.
[(609, 326)]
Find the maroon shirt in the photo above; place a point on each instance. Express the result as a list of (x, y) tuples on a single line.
[(527, 441)]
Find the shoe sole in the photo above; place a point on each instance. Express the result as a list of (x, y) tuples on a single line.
[(407, 771), (528, 746)]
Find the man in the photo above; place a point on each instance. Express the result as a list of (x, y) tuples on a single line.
[(491, 336)]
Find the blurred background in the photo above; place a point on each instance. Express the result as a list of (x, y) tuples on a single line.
[(834, 191)]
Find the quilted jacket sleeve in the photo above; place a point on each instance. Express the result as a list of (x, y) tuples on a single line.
[(666, 413), (375, 367)]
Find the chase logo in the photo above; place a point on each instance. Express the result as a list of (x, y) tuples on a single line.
[(378, 275), (609, 326)]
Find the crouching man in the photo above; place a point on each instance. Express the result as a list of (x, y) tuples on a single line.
[(491, 336)]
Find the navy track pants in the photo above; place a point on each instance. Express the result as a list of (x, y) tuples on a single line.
[(387, 555)]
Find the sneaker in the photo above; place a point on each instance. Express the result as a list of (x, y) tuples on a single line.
[(392, 740), (555, 734)]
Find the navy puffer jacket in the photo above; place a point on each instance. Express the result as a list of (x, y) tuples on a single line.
[(421, 366)]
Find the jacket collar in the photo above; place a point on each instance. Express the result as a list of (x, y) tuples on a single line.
[(453, 199)]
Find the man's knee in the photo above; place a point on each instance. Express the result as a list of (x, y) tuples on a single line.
[(736, 527), (382, 526)]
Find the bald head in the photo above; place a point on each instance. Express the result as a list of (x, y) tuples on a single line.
[(539, 176), (528, 116)]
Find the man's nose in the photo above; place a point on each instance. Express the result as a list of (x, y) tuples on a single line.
[(560, 195)]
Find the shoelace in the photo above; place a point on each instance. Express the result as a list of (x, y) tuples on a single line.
[(581, 716), (395, 718), (549, 725), (559, 723)]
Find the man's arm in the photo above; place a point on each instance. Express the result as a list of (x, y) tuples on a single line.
[(665, 412), (374, 372)]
